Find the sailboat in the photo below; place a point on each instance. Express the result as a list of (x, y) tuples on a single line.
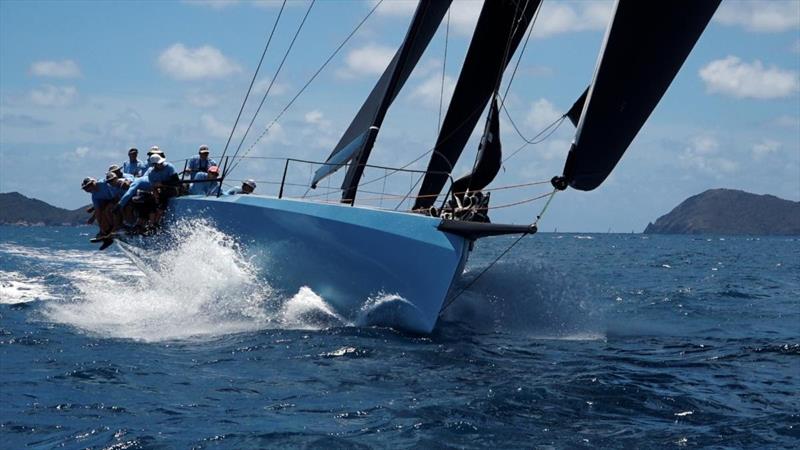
[(349, 253)]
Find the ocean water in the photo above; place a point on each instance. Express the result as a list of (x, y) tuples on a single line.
[(571, 341)]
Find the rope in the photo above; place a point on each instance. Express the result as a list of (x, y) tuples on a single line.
[(498, 258), (313, 77), (274, 77), (444, 67), (250, 88)]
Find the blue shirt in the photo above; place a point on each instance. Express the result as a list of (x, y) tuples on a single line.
[(160, 176), (141, 183), (104, 193), (200, 165), (135, 168), (203, 188)]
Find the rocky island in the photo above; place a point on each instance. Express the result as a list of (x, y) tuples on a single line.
[(729, 211), (16, 209)]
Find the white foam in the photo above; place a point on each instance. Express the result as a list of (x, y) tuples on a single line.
[(202, 286), (16, 288)]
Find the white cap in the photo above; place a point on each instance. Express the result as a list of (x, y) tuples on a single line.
[(203, 149), (154, 149), (155, 159), (251, 183)]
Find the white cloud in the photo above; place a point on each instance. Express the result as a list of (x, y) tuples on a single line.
[(80, 152), (732, 76), (213, 4), (464, 16), (202, 99), (701, 154), (278, 88), (316, 117), (429, 91), (764, 148), (368, 60), (49, 95), (214, 127), (760, 16), (393, 8), (56, 69), (542, 114), (184, 63), (556, 18)]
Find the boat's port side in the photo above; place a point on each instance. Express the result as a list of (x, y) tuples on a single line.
[(347, 255)]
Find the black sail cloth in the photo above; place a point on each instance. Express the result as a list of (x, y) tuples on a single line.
[(356, 143), (500, 28), (645, 47)]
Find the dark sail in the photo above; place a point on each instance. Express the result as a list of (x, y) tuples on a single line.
[(489, 157), (356, 140), (501, 26), (574, 113), (645, 46)]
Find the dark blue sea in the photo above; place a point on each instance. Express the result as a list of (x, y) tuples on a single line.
[(571, 341)]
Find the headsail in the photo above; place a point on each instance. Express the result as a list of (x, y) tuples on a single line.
[(356, 143), (645, 47), (501, 26), (489, 157)]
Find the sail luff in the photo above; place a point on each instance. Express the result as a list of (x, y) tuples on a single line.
[(645, 47), (500, 28)]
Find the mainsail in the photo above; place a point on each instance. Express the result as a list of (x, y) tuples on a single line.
[(645, 46), (501, 26), (356, 143)]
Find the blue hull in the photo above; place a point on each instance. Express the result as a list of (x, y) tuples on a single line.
[(347, 255)]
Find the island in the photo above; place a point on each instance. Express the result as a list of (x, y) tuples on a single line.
[(730, 212), (17, 209)]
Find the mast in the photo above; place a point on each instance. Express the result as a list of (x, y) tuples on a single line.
[(645, 47), (356, 144), (501, 26)]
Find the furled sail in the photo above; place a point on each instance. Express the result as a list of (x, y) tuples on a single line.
[(489, 157), (501, 26), (645, 47), (356, 143)]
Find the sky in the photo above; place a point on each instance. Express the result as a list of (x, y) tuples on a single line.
[(83, 81)]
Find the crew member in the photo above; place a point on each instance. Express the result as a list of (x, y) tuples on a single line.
[(161, 180), (118, 171), (102, 204), (133, 166), (202, 182), (200, 163), (248, 186)]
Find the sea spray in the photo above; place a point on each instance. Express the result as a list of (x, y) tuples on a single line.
[(530, 298), (200, 284)]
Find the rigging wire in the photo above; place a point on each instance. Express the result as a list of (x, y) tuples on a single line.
[(255, 74), (274, 77), (310, 80), (444, 68), (499, 257)]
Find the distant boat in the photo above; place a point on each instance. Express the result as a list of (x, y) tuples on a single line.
[(348, 252)]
